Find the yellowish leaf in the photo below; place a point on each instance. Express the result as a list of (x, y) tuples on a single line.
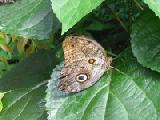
[(21, 44), (6, 48)]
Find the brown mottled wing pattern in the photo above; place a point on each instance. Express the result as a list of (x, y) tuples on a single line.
[(72, 50), (78, 48), (85, 60)]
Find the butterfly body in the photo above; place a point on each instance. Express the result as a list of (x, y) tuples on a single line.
[(85, 61)]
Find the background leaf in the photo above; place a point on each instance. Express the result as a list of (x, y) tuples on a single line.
[(146, 79), (69, 12), (2, 41), (25, 85), (136, 97), (126, 94), (28, 18), (30, 72), (154, 5), (146, 40)]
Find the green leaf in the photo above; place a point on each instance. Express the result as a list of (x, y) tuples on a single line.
[(154, 5), (131, 93), (2, 41), (1, 105), (134, 94), (28, 18), (69, 12), (29, 72), (26, 84), (146, 80), (24, 104), (146, 40)]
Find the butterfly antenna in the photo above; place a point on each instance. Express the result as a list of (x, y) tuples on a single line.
[(117, 70), (112, 55)]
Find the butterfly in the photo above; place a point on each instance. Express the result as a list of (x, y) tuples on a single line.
[(85, 61)]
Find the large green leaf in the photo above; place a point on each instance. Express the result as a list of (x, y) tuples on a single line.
[(26, 104), (29, 18), (69, 12), (25, 85), (129, 94), (154, 5), (136, 98), (146, 40)]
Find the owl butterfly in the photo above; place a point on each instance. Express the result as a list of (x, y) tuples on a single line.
[(7, 1), (85, 61)]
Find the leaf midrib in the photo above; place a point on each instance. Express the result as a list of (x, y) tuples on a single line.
[(31, 90)]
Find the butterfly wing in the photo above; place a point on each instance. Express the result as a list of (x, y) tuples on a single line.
[(83, 58)]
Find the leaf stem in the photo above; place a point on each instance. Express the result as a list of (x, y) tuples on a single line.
[(138, 5), (118, 18)]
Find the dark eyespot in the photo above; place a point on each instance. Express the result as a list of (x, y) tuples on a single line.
[(73, 45), (82, 77), (91, 61)]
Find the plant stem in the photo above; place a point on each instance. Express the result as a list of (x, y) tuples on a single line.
[(138, 5), (118, 18), (130, 5)]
